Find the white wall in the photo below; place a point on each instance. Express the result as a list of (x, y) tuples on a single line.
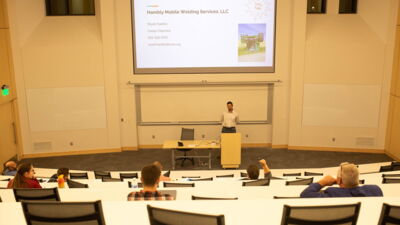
[(96, 51), (349, 51)]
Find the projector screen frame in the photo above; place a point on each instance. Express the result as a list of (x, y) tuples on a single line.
[(199, 70)]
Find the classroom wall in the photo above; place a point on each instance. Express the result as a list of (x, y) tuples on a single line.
[(393, 129), (96, 51), (349, 55)]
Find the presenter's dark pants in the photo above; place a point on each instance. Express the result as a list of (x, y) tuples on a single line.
[(228, 130)]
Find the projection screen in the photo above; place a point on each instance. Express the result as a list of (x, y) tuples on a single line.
[(203, 36)]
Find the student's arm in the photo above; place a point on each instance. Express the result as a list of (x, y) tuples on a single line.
[(267, 171), (314, 189)]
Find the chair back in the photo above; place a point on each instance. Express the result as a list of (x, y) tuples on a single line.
[(286, 197), (390, 214), (300, 181), (361, 181), (83, 175), (202, 179), (101, 174), (107, 179), (391, 175), (36, 194), (312, 174), (173, 184), (386, 168), (259, 182), (190, 177), (128, 175), (167, 174), (75, 184), (212, 198), (291, 174), (187, 134), (333, 214), (159, 216), (227, 175), (242, 174), (71, 213), (386, 180)]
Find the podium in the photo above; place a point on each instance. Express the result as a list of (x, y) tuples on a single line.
[(231, 150)]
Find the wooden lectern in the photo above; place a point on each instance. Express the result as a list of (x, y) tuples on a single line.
[(231, 150)]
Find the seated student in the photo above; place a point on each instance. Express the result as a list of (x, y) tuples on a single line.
[(150, 177), (253, 171), (25, 177), (348, 181), (10, 168), (63, 171), (162, 177)]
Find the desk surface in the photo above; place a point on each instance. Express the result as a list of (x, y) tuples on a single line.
[(236, 212), (198, 144)]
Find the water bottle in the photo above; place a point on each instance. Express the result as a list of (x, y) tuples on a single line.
[(61, 181), (134, 183)]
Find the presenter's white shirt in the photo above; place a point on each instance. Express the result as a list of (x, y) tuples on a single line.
[(229, 119)]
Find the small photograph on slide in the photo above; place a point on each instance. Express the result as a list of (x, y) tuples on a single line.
[(251, 47)]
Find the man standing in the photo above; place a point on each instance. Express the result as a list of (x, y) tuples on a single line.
[(229, 119)]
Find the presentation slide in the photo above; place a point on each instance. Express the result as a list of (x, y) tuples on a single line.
[(203, 36)]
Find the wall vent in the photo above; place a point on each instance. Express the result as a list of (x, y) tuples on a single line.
[(365, 141), (43, 146)]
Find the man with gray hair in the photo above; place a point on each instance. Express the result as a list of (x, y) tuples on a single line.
[(348, 181)]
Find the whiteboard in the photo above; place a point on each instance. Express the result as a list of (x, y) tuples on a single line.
[(72, 108), (177, 104), (341, 105)]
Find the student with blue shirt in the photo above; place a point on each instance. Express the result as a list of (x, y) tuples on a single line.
[(10, 168), (348, 181)]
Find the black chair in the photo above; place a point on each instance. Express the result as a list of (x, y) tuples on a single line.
[(390, 214), (291, 174), (140, 185), (300, 181), (128, 175), (391, 175), (313, 174), (186, 134), (83, 175), (202, 179), (167, 174), (285, 197), (35, 194), (101, 174), (260, 182), (190, 176), (107, 179), (7, 179), (390, 180), (212, 198), (395, 166), (321, 215), (172, 184), (75, 184), (159, 216), (386, 168), (63, 213), (361, 181), (228, 175), (243, 174), (0, 200)]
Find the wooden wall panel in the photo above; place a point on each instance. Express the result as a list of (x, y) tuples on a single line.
[(396, 63), (394, 145), (5, 70), (8, 148), (3, 14)]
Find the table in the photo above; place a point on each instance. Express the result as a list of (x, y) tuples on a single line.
[(236, 212), (193, 144)]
